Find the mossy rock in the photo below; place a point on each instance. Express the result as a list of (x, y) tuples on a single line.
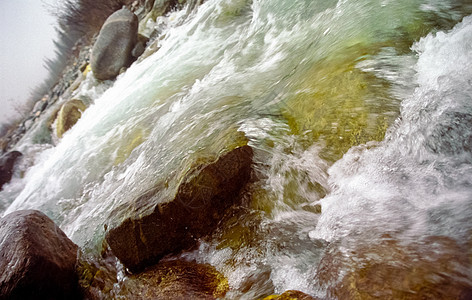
[(171, 217), (68, 115), (176, 280)]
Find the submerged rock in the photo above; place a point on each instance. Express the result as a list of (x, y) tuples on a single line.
[(290, 295), (68, 115), (7, 162), (176, 280), (37, 259), (435, 267), (160, 222), (112, 50)]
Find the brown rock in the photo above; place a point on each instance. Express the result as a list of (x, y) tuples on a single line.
[(176, 280), (290, 295), (433, 268), (37, 259), (161, 222)]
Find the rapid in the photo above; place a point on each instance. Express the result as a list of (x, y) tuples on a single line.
[(360, 117)]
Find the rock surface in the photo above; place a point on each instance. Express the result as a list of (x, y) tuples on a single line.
[(37, 259), (176, 280), (68, 115), (112, 50), (159, 223), (290, 295), (434, 267), (7, 162)]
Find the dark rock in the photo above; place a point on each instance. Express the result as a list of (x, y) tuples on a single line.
[(291, 295), (116, 40), (37, 259), (176, 280), (68, 115), (140, 46), (163, 221), (7, 162)]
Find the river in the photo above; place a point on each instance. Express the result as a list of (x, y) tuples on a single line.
[(360, 117)]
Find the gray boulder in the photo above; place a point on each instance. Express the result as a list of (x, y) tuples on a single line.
[(167, 220), (116, 40), (37, 259)]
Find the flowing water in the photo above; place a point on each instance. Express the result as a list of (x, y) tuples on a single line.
[(360, 115)]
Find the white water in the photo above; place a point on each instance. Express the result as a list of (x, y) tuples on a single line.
[(236, 64)]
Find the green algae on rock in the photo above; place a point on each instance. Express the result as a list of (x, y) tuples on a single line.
[(176, 279), (171, 217), (68, 115)]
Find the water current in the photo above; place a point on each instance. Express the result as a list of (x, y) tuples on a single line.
[(360, 116)]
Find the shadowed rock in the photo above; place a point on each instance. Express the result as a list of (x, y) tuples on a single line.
[(112, 50), (37, 259), (7, 162), (157, 224)]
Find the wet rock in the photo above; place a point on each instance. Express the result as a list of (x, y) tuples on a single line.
[(68, 115), (453, 135), (140, 46), (176, 280), (37, 259), (116, 40), (7, 163), (290, 295), (97, 277), (164, 221), (435, 267)]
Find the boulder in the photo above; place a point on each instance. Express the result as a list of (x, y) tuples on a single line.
[(37, 259), (7, 162), (176, 280), (116, 40), (68, 115), (290, 295), (167, 220)]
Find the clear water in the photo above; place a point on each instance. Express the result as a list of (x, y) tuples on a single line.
[(359, 112)]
